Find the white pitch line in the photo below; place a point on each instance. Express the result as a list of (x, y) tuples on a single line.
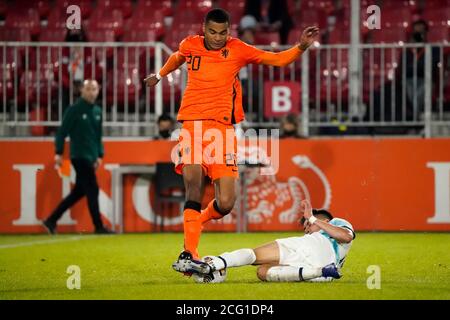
[(49, 241)]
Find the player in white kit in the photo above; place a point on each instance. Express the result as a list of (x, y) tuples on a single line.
[(317, 256)]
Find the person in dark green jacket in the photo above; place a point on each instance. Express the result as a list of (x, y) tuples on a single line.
[(82, 122)]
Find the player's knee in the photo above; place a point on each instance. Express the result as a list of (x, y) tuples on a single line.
[(261, 272), (226, 203)]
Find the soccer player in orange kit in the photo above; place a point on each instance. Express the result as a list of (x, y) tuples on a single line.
[(213, 101)]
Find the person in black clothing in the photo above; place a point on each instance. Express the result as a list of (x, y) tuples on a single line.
[(415, 67), (271, 15), (166, 125), (289, 127), (83, 123)]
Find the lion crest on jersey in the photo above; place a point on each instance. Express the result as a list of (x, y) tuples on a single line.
[(225, 53)]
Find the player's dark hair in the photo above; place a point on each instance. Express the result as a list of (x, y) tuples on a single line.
[(318, 212), (165, 117), (323, 212), (422, 22), (218, 16)]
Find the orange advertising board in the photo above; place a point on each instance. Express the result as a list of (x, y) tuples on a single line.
[(376, 184)]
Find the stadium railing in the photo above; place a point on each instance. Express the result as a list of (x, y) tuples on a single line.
[(396, 89)]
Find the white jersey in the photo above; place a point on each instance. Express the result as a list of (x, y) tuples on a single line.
[(315, 250), (340, 249)]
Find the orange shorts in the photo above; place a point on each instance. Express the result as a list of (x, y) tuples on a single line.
[(211, 144)]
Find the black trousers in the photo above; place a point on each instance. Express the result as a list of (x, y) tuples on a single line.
[(85, 185)]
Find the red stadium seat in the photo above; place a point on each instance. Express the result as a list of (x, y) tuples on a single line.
[(126, 58), (393, 5), (294, 36), (311, 17), (149, 20), (235, 9), (175, 79), (127, 83), (48, 57), (24, 19), (52, 35), (91, 62), (396, 18), (388, 35), (3, 8), (200, 5), (134, 35), (41, 6), (10, 66), (123, 6), (57, 19), (155, 5), (174, 38), (107, 20), (339, 35), (186, 19), (439, 34), (101, 35), (436, 4), (14, 34), (85, 6), (437, 17), (379, 66), (267, 38), (28, 91), (335, 73), (325, 5)]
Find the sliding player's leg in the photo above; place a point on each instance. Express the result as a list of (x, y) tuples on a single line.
[(297, 260), (265, 254), (283, 273)]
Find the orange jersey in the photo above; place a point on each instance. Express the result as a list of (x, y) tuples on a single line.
[(213, 89)]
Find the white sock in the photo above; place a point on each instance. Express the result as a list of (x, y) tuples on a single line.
[(238, 258), (311, 273), (289, 273)]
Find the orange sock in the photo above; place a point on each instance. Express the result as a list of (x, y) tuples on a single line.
[(210, 213), (192, 231)]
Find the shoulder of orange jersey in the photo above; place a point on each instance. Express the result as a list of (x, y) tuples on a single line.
[(192, 40), (234, 42)]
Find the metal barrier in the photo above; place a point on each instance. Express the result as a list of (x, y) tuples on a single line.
[(39, 80), (397, 85)]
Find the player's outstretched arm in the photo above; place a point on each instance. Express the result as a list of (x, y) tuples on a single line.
[(342, 235), (286, 57), (173, 63)]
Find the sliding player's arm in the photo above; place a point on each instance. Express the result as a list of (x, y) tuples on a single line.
[(284, 58), (341, 234), (175, 61)]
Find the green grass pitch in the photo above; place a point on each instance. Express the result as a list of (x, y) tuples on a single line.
[(138, 266)]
